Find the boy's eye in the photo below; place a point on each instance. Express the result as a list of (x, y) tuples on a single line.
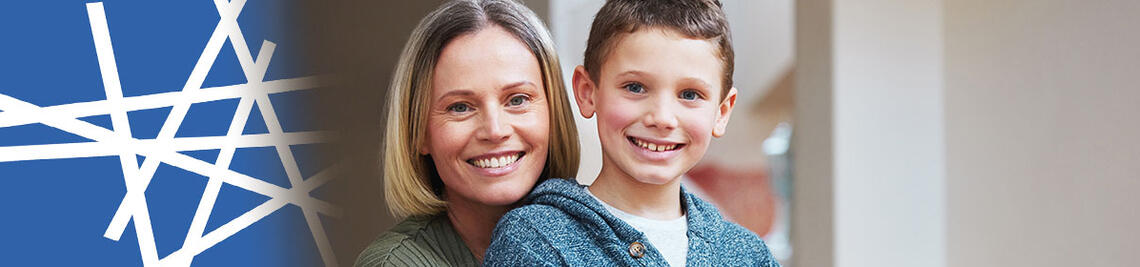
[(636, 88), (689, 95), (518, 100), (459, 108)]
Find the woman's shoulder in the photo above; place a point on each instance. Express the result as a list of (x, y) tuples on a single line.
[(417, 241)]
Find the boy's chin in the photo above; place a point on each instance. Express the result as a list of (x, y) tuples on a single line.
[(649, 176)]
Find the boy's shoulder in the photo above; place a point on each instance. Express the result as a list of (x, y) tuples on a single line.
[(554, 227), (722, 239), (533, 235), (549, 210), (538, 216)]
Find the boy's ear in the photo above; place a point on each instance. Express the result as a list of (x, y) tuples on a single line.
[(724, 112), (584, 89)]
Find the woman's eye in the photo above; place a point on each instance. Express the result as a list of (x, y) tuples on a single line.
[(636, 88), (690, 95), (518, 100), (459, 108)]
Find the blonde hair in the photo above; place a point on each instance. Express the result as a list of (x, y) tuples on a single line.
[(411, 184)]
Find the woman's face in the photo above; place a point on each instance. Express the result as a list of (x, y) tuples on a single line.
[(488, 127)]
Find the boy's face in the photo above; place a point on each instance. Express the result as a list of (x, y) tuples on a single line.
[(658, 103)]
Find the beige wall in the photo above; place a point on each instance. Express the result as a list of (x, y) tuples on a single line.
[(869, 149), (812, 231), (1035, 106), (1042, 129)]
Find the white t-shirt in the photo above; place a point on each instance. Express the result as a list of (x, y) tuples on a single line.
[(670, 237)]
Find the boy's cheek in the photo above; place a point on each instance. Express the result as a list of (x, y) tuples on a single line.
[(698, 124), (613, 120), (617, 113)]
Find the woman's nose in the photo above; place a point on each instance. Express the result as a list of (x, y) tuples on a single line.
[(494, 128)]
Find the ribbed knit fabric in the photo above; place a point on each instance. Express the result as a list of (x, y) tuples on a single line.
[(418, 241), (561, 225)]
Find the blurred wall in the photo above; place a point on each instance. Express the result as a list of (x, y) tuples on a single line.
[(967, 133), (1042, 104), (355, 44), (869, 145)]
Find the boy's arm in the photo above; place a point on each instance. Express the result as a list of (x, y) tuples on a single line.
[(768, 259), (516, 243)]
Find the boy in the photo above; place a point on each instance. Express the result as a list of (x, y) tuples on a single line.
[(658, 74)]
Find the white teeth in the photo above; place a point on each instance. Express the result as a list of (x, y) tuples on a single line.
[(496, 162), (654, 147)]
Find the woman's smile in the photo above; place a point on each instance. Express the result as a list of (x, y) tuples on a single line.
[(496, 164)]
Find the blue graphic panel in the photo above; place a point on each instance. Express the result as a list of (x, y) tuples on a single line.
[(116, 146)]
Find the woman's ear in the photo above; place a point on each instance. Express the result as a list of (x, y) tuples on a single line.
[(583, 91), (724, 112), (425, 148)]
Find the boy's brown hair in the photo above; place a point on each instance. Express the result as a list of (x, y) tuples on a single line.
[(696, 19)]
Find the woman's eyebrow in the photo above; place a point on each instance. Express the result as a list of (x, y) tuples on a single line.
[(469, 92), (518, 84), (457, 93)]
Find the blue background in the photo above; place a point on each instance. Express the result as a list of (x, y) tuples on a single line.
[(55, 211)]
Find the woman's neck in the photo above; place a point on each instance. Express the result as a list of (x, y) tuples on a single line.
[(654, 201), (474, 222)]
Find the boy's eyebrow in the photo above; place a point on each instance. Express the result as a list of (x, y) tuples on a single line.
[(637, 73), (698, 81)]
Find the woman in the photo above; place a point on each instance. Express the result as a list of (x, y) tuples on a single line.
[(478, 115)]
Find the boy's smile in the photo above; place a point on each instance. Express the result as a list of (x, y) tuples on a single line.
[(658, 102), (655, 150)]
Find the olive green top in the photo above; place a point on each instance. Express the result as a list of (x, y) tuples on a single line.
[(418, 241)]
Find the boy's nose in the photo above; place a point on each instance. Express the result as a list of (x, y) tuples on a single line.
[(493, 127), (660, 116)]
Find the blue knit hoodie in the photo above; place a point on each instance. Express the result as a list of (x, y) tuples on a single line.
[(561, 224)]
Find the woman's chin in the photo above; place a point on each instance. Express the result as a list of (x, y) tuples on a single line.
[(504, 193), (503, 199)]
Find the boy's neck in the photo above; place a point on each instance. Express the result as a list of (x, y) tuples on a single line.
[(474, 222), (653, 201)]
